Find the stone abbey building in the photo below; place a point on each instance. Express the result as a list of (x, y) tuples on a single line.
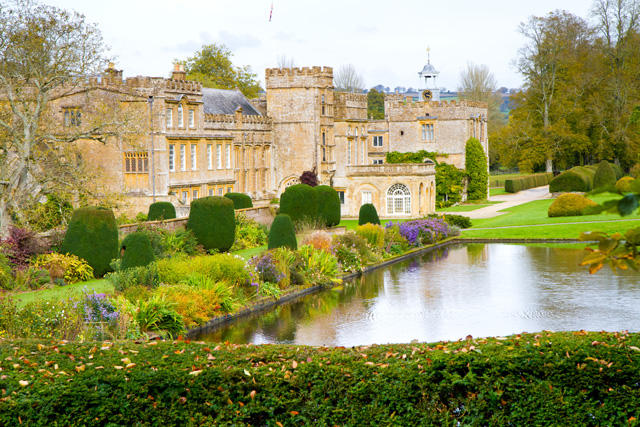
[(205, 141)]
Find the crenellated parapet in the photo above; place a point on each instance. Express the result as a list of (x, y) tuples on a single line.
[(305, 77), (350, 106), (399, 108), (297, 71), (183, 86)]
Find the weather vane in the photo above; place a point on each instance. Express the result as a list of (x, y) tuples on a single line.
[(428, 55)]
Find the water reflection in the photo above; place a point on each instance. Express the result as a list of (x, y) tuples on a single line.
[(476, 289)]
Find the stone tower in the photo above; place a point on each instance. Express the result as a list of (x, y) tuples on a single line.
[(300, 102), (428, 76)]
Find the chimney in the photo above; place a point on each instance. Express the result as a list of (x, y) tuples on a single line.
[(178, 72)]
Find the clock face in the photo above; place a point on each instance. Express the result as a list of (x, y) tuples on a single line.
[(427, 95)]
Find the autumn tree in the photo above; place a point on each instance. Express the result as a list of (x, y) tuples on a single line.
[(556, 67), (46, 54), (375, 104), (347, 79), (212, 66)]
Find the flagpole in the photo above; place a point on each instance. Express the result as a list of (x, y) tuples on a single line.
[(273, 37)]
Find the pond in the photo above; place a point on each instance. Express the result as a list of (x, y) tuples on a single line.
[(447, 294)]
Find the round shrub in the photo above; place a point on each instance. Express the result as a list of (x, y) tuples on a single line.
[(282, 233), (136, 251), (328, 205), (213, 222), (605, 175), (368, 215), (618, 170), (635, 171), (92, 235), (569, 204), (240, 200), (159, 211), (624, 184), (568, 181), (300, 202), (476, 166)]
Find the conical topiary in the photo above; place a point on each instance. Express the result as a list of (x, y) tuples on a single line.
[(213, 222), (300, 202), (604, 176), (368, 215), (93, 236), (136, 251), (159, 211), (282, 233), (240, 200), (328, 205)]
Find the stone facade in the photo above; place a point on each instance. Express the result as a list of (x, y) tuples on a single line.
[(210, 141)]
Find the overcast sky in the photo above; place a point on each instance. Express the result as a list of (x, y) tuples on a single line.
[(385, 40)]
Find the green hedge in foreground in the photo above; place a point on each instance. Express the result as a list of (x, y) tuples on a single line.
[(514, 185), (542, 379)]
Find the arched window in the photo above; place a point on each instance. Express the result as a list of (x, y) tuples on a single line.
[(398, 200)]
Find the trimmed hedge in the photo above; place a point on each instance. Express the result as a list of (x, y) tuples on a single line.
[(514, 185), (213, 222), (550, 379), (240, 200), (569, 204), (328, 205), (93, 236), (368, 215), (282, 233), (300, 202), (605, 176), (136, 251), (477, 171), (618, 170), (624, 184), (159, 211), (571, 180), (459, 221)]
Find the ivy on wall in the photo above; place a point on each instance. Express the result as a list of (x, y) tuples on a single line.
[(449, 178)]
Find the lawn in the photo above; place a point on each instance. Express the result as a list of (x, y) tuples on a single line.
[(497, 191), (535, 213), (466, 207), (60, 292)]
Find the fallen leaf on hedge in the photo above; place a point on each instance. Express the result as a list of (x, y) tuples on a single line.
[(164, 357), (99, 367), (369, 363), (80, 368), (279, 424), (241, 404), (126, 360), (182, 400), (252, 394), (16, 365), (118, 367), (246, 373), (41, 347), (210, 357), (294, 364), (294, 412), (179, 351), (217, 348), (195, 373), (207, 349), (23, 383), (634, 348), (130, 365), (152, 343)]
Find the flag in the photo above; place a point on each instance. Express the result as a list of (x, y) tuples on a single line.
[(271, 13)]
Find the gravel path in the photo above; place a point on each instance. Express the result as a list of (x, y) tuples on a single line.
[(508, 200)]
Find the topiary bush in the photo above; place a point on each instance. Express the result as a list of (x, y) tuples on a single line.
[(624, 184), (477, 171), (213, 222), (328, 205), (240, 200), (635, 171), (368, 215), (159, 211), (569, 204), (571, 180), (618, 170), (136, 251), (605, 175), (282, 233), (300, 202), (93, 236)]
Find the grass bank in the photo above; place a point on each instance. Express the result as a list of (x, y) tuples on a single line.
[(99, 286), (530, 379)]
